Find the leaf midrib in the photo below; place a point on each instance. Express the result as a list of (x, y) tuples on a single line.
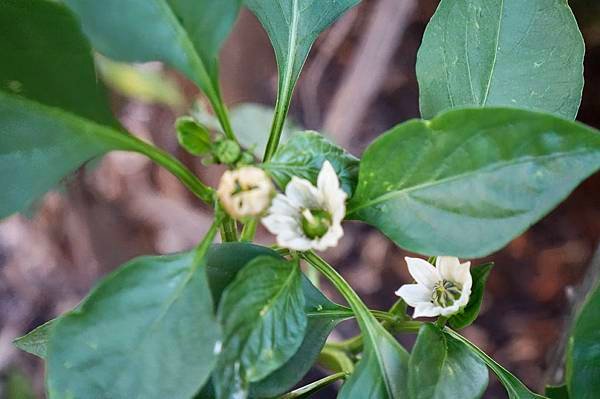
[(487, 169), (495, 60)]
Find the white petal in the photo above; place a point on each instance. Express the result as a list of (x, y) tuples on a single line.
[(279, 224), (330, 239), (282, 206), (414, 294), (426, 309), (450, 310), (451, 269), (333, 196), (302, 194), (423, 272), (298, 243)]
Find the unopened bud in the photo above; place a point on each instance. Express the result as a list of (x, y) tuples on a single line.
[(245, 192)]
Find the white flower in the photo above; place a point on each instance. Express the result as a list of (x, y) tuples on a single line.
[(245, 192), (309, 217), (441, 290)]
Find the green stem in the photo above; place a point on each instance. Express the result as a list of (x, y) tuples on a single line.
[(229, 230), (179, 170), (223, 117), (208, 239), (276, 129), (249, 230), (310, 389)]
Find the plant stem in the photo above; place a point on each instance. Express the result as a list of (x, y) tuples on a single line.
[(249, 230), (223, 117), (310, 389), (228, 230), (173, 165)]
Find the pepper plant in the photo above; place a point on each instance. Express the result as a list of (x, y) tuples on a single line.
[(497, 149)]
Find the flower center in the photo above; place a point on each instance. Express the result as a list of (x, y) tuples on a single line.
[(445, 293), (315, 222)]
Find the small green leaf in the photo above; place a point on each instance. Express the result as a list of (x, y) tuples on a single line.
[(583, 355), (148, 330), (262, 313), (557, 392), (192, 136), (515, 388), (470, 180), (293, 27), (442, 367), (465, 318), (303, 156), (36, 341), (186, 34), (526, 54)]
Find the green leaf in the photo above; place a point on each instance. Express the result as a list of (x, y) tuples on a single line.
[(148, 330), (186, 34), (262, 313), (303, 156), (468, 315), (526, 54), (47, 66), (383, 369), (470, 180), (557, 392), (583, 355), (515, 388), (192, 136), (36, 341), (442, 367), (293, 26)]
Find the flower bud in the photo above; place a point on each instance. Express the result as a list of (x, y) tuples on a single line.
[(245, 192), (227, 151)]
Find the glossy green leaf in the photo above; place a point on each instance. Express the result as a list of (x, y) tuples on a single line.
[(583, 355), (303, 156), (383, 369), (186, 34), (262, 313), (148, 330), (293, 27), (443, 368), (470, 180), (526, 54), (557, 392), (36, 341), (50, 101), (515, 388), (468, 315)]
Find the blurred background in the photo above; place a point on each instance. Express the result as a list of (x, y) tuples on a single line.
[(358, 82)]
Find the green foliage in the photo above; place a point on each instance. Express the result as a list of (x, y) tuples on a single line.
[(465, 318), (583, 357), (186, 34), (515, 388), (262, 313), (557, 392), (303, 156), (192, 136), (470, 180), (443, 368), (36, 341), (148, 330), (526, 54)]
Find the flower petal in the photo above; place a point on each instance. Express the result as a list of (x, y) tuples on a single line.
[(302, 194), (450, 310), (414, 294), (330, 239), (451, 269), (423, 272), (333, 196), (426, 309)]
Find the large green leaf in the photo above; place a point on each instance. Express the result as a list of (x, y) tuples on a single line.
[(515, 388), (225, 261), (383, 369), (443, 368), (148, 330), (583, 356), (293, 27), (186, 34), (50, 102), (527, 54), (470, 180), (303, 156), (468, 315), (262, 313), (36, 341)]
